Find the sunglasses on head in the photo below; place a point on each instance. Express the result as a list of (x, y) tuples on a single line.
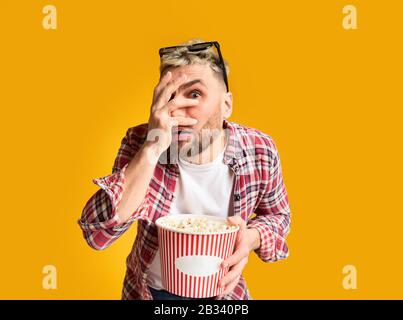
[(200, 47)]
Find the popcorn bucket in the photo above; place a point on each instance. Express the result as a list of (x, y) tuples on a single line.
[(190, 261)]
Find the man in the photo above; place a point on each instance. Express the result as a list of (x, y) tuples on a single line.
[(190, 159)]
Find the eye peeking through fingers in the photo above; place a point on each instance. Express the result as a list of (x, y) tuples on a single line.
[(195, 94)]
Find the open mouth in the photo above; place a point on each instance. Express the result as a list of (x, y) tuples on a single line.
[(180, 129), (182, 133)]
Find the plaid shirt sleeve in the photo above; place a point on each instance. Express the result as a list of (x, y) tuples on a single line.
[(272, 218), (99, 222)]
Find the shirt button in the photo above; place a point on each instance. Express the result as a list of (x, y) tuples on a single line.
[(237, 197)]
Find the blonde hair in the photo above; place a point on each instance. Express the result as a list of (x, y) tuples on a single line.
[(183, 57)]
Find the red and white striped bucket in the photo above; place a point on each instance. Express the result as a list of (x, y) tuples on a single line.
[(191, 262)]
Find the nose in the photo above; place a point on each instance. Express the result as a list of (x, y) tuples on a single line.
[(182, 109), (181, 112)]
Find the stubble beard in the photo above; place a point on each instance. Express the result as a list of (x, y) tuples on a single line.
[(201, 139)]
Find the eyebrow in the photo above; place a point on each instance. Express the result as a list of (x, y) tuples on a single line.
[(191, 83)]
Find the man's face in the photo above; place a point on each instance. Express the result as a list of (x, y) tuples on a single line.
[(215, 104)]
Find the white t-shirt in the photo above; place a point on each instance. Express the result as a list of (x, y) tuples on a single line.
[(200, 189)]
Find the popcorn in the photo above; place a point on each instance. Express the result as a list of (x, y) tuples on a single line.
[(194, 245), (197, 225)]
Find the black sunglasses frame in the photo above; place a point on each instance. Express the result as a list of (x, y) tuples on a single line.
[(196, 47)]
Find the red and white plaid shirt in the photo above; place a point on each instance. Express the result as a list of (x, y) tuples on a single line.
[(259, 189)]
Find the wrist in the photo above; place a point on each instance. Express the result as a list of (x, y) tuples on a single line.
[(153, 146), (152, 151), (254, 236)]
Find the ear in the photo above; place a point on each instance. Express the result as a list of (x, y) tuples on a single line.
[(227, 105)]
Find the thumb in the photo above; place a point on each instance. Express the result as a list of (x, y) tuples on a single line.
[(237, 221)]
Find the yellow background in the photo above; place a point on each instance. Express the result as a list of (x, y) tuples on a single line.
[(331, 99)]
